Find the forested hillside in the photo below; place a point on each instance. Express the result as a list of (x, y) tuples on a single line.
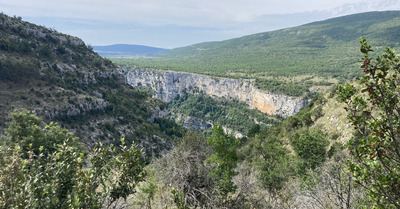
[(61, 79), (292, 61), (340, 151)]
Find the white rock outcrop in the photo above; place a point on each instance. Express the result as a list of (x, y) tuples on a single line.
[(167, 85)]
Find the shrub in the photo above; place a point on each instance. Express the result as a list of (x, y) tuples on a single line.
[(39, 168)]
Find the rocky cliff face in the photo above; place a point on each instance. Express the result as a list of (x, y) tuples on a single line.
[(167, 85), (59, 78)]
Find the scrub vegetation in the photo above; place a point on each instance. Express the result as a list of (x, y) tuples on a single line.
[(95, 142)]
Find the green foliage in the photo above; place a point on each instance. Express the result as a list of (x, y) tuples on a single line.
[(311, 146), (306, 117), (297, 88), (4, 44), (373, 110), (169, 127), (232, 114), (63, 80), (32, 41), (146, 193), (22, 73), (45, 52), (225, 159), (179, 199), (254, 130), (25, 48), (60, 178), (31, 133), (269, 152), (127, 106), (274, 167)]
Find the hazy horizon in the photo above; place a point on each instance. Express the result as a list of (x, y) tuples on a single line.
[(178, 23)]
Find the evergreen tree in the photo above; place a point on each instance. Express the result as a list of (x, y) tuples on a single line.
[(225, 158)]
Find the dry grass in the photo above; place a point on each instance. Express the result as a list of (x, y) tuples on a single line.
[(334, 122)]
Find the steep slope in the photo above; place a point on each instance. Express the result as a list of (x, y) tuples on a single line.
[(123, 50), (61, 79), (198, 101), (290, 61), (168, 85)]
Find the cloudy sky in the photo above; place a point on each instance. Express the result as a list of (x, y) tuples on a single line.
[(175, 23)]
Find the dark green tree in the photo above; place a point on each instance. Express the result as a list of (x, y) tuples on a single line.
[(225, 160), (4, 44), (310, 146), (274, 167)]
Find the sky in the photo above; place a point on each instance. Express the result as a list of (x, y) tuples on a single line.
[(177, 23)]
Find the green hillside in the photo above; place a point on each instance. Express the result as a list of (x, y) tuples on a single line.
[(61, 79), (297, 162), (291, 60)]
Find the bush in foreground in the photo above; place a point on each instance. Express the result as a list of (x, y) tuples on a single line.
[(48, 173)]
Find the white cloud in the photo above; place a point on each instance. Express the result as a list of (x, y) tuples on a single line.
[(160, 12), (173, 23)]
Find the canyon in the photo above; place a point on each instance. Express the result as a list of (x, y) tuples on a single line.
[(166, 85)]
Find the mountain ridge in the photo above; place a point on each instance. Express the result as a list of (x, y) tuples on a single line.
[(291, 61), (123, 50)]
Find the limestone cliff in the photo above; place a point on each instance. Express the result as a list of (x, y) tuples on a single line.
[(167, 85)]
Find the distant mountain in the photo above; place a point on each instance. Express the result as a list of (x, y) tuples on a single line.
[(124, 50), (292, 60)]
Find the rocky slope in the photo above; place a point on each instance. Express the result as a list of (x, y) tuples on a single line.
[(60, 78), (167, 85)]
